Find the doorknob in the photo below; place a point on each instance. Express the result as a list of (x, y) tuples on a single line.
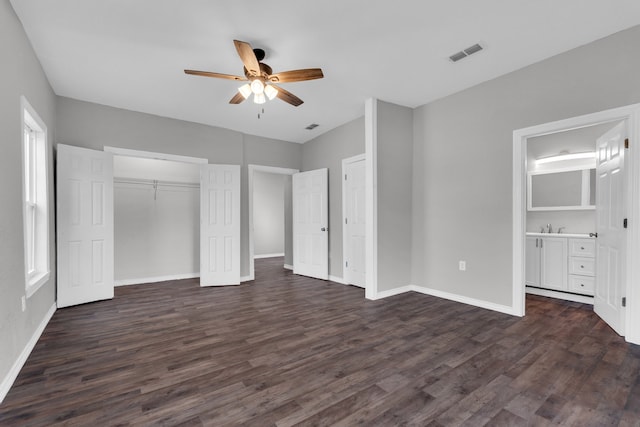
[(323, 229)]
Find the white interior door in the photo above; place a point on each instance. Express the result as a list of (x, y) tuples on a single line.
[(310, 224), (219, 225), (84, 225), (610, 214), (354, 225)]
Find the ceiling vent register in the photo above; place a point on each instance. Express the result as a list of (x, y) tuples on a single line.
[(465, 52)]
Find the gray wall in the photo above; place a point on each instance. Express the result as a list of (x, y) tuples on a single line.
[(463, 159), (20, 74), (395, 138), (268, 208), (93, 126), (156, 233), (327, 151)]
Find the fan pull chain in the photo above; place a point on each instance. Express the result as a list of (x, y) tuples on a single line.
[(260, 113)]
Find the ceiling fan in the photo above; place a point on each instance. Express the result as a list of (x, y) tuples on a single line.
[(260, 77)]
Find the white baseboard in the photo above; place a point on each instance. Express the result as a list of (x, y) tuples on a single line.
[(268, 256), (392, 292), (560, 295), (247, 278), (446, 295), (127, 282), (288, 267), (11, 376), (337, 280), (465, 300)]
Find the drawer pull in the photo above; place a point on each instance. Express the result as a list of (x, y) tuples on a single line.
[(582, 266), (582, 284), (582, 248)]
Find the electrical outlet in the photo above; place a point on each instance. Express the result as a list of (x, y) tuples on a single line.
[(462, 265), (24, 303)]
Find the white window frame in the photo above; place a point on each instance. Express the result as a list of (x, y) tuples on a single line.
[(35, 196)]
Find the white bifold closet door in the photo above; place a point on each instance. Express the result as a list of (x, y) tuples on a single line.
[(84, 225), (219, 225), (311, 224)]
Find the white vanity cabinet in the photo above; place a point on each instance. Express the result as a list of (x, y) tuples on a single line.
[(546, 262), (582, 266), (562, 263)]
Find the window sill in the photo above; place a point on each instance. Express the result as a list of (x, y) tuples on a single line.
[(34, 283)]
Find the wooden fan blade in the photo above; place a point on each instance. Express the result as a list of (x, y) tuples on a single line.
[(217, 75), (288, 97), (296, 75), (248, 57), (237, 98)]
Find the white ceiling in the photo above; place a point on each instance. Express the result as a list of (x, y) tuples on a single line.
[(131, 54)]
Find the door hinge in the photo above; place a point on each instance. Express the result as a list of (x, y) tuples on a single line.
[(626, 143), (624, 223), (624, 301), (346, 221)]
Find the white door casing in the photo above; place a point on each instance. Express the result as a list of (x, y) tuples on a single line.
[(84, 225), (354, 221), (310, 224), (611, 240), (219, 225)]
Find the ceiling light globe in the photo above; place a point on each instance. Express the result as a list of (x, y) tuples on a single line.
[(259, 98), (245, 90), (257, 87), (270, 91)]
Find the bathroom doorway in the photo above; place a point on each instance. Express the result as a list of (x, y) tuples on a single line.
[(613, 268)]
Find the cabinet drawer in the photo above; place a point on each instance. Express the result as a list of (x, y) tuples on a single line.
[(582, 284), (582, 247), (583, 266)]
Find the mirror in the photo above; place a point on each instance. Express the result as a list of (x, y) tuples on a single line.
[(568, 189)]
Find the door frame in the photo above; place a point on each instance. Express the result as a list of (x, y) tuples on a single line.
[(631, 114), (345, 240), (252, 169)]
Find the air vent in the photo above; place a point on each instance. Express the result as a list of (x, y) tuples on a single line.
[(465, 52), (312, 126)]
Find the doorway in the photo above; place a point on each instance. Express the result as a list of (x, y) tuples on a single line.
[(261, 180), (631, 115)]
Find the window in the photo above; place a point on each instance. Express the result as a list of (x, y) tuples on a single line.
[(36, 199)]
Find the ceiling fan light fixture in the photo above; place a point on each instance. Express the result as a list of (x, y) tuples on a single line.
[(270, 91), (245, 90), (257, 87), (259, 98)]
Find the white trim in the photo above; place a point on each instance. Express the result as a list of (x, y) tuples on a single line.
[(145, 280), (153, 155), (464, 300), (338, 280), (246, 278), (631, 114), (371, 196), (42, 268), (268, 256), (288, 266), (251, 169), (392, 292), (345, 226), (560, 295), (11, 376)]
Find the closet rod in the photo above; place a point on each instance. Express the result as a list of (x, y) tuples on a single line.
[(153, 182)]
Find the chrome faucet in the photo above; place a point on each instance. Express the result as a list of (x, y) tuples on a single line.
[(560, 229), (549, 229)]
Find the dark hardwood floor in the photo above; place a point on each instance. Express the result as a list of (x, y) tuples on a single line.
[(287, 350)]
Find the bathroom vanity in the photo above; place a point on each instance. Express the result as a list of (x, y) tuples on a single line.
[(561, 265)]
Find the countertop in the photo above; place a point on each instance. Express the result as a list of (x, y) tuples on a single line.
[(583, 236)]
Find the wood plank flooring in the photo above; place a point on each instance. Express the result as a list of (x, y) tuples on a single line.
[(288, 350)]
